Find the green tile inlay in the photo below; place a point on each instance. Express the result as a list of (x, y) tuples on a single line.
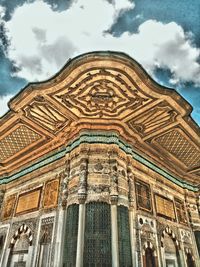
[(104, 138)]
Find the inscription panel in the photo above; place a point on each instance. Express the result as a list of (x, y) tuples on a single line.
[(165, 207), (8, 207), (51, 194), (28, 201)]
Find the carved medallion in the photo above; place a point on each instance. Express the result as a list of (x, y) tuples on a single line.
[(102, 93)]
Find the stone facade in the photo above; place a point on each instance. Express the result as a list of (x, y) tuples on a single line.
[(100, 169)]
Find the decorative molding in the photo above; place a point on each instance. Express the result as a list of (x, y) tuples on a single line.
[(176, 143), (153, 119), (22, 229), (28, 201), (17, 140), (102, 92), (8, 207), (169, 232), (50, 199), (104, 138), (45, 114)]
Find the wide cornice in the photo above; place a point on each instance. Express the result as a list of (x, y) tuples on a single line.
[(101, 91)]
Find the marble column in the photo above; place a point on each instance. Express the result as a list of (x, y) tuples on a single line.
[(58, 257), (114, 233), (80, 237), (132, 235)]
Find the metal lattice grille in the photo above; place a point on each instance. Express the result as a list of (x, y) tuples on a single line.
[(124, 237), (97, 250), (70, 242)]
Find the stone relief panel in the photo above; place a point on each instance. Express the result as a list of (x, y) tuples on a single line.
[(51, 190), (165, 207), (152, 119), (8, 207), (46, 230), (147, 227), (26, 226), (180, 211), (102, 92), (186, 237), (45, 239), (45, 114), (29, 201)]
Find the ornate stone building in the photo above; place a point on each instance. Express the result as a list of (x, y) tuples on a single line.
[(99, 167)]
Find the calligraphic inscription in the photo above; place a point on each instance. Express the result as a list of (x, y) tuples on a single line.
[(51, 194), (165, 207), (8, 207), (28, 201)]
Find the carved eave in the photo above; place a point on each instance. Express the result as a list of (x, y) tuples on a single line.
[(101, 91)]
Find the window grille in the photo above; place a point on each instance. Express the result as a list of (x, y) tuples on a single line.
[(180, 210), (143, 194), (70, 241), (97, 250), (124, 237)]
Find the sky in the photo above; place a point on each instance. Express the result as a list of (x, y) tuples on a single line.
[(38, 37)]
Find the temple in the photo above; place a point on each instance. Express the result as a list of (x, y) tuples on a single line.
[(99, 167)]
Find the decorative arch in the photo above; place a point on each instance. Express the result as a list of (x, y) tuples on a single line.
[(169, 232), (149, 255), (148, 244), (190, 257), (22, 229)]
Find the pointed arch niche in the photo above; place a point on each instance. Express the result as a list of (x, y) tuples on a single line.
[(170, 248), (149, 255), (20, 247), (189, 258)]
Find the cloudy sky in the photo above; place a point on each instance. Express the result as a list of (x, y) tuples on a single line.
[(38, 37)]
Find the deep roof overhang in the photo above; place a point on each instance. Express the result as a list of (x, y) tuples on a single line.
[(106, 91)]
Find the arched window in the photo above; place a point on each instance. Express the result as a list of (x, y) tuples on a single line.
[(97, 244), (20, 247), (19, 252), (149, 259), (171, 252), (190, 260), (149, 255)]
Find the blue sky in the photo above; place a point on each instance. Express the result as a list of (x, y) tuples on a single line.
[(38, 37)]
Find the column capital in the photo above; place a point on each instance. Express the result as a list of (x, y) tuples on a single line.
[(114, 199)]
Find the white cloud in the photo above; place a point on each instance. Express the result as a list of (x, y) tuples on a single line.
[(2, 12), (42, 39), (3, 104)]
